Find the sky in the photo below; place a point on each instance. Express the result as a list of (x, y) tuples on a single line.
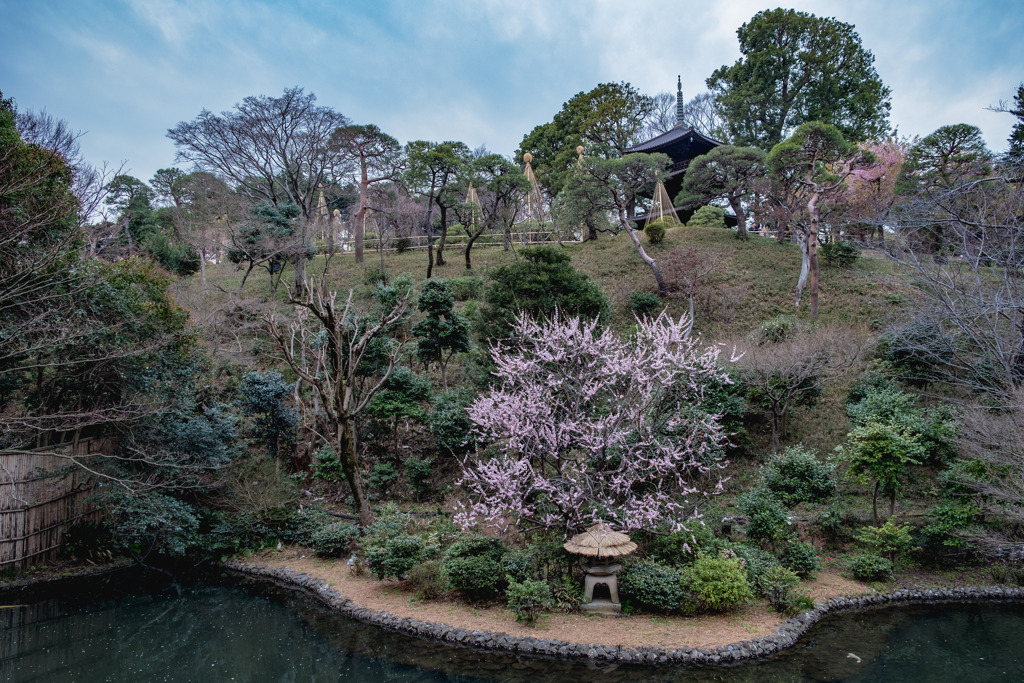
[(481, 71)]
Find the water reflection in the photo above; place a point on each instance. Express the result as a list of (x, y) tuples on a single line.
[(127, 628)]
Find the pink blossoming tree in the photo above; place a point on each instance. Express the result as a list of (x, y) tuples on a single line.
[(583, 427)]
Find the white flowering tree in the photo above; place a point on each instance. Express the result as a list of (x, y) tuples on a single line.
[(583, 426)]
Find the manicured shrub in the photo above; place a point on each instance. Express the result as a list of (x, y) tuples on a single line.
[(395, 556), (519, 565), (707, 217), (389, 547), (425, 579), (466, 287), (797, 476), (403, 244), (800, 557), (305, 524), (653, 586), (473, 565), (527, 599), (778, 585), (543, 281), (870, 567), (645, 304), (331, 540), (841, 253), (890, 540), (655, 231), (718, 583), (756, 562), (767, 519), (478, 577)]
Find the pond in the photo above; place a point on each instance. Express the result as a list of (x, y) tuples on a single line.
[(135, 627)]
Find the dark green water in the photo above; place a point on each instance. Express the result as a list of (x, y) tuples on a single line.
[(126, 628)]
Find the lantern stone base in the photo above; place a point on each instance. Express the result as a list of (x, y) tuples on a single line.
[(601, 606), (601, 575)]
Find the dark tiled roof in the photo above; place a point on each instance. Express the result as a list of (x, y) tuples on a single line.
[(676, 135)]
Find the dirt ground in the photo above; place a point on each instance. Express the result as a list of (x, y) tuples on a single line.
[(624, 630)]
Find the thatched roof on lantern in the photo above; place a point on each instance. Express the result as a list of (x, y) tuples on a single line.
[(599, 541)]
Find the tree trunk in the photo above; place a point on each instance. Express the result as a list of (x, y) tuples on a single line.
[(469, 246), (346, 449), (202, 265), (662, 287), (430, 256), (300, 275), (812, 251), (741, 218), (444, 234), (358, 226), (874, 506), (805, 267)]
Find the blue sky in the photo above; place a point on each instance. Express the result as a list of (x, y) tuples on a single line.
[(484, 72)]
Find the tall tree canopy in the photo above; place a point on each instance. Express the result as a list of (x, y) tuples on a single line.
[(606, 121), (274, 149), (796, 68), (817, 161), (729, 173), (1016, 152), (377, 157), (433, 168)]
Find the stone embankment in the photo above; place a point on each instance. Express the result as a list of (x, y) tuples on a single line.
[(785, 636)]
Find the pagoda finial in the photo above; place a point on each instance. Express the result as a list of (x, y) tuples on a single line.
[(679, 101)]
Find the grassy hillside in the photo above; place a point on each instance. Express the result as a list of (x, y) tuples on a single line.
[(750, 281), (746, 283)]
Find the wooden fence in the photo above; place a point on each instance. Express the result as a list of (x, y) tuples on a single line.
[(41, 494)]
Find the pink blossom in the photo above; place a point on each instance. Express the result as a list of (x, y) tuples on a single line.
[(583, 426)]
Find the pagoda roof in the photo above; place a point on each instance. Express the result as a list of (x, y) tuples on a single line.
[(681, 145)]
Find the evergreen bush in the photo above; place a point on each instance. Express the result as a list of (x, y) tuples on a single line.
[(655, 231), (425, 579), (718, 583), (654, 586), (767, 518), (645, 304), (890, 540), (466, 287), (707, 217), (870, 567), (473, 565), (332, 540), (800, 557), (841, 253), (777, 585), (527, 599), (797, 476)]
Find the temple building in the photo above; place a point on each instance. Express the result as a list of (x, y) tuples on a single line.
[(681, 144)]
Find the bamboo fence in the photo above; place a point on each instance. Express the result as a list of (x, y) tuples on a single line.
[(41, 494)]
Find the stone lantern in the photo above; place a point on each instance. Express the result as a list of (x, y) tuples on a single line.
[(602, 545)]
